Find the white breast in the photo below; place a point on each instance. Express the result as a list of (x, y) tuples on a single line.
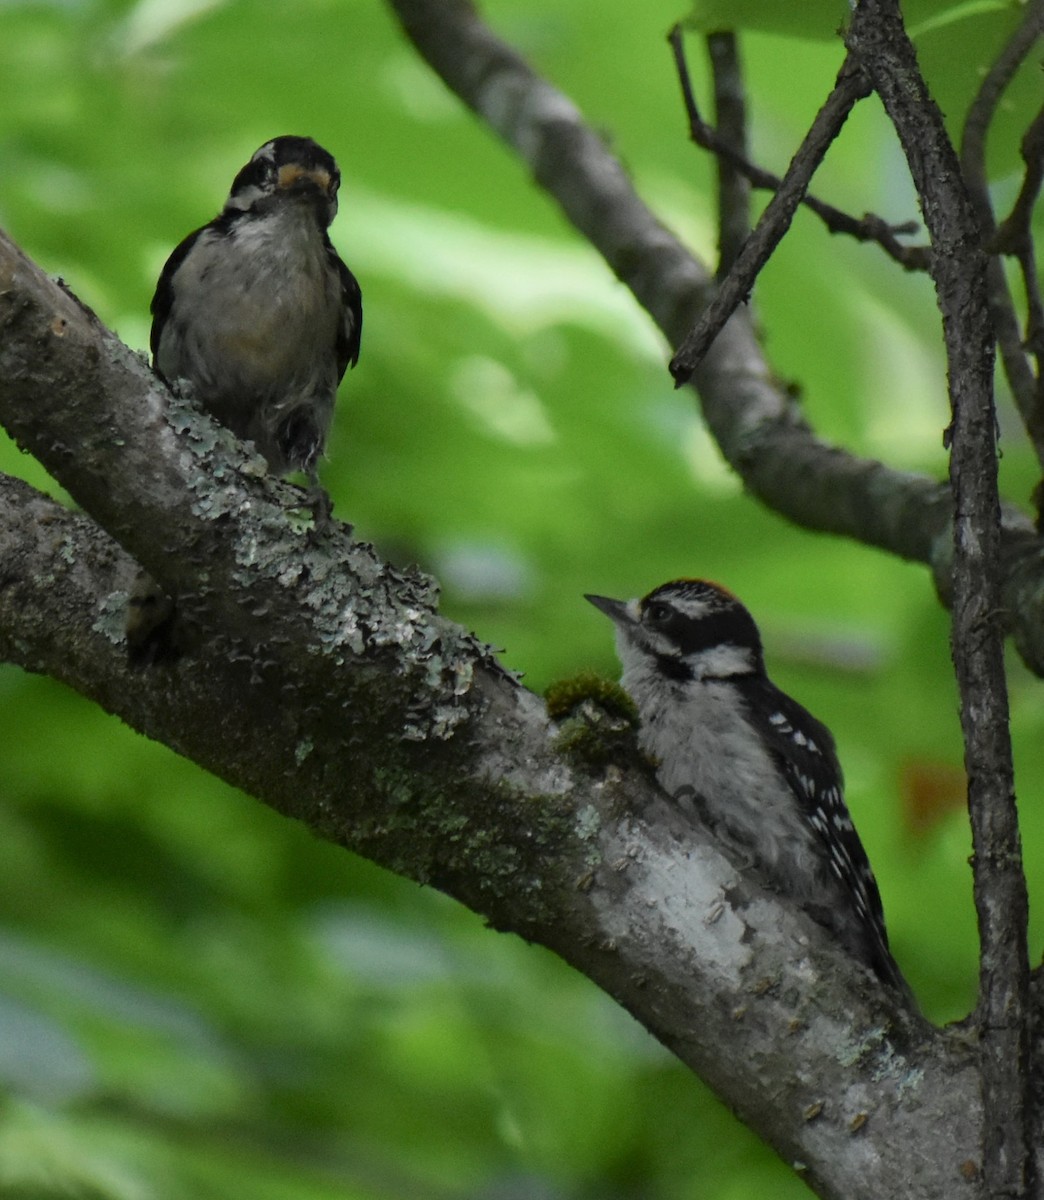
[(709, 756), (261, 300), (254, 324)]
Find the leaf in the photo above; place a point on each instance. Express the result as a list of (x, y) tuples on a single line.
[(818, 19)]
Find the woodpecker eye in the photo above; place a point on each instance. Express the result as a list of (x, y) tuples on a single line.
[(657, 613)]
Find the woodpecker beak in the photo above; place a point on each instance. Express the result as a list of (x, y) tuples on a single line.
[(618, 611)]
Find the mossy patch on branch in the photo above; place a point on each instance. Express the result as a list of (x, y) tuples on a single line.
[(565, 696), (598, 720)]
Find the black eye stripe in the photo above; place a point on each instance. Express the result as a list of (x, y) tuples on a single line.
[(732, 626)]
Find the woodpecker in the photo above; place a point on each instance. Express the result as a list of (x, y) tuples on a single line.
[(257, 312), (759, 768)]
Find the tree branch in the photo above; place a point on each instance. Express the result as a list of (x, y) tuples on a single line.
[(730, 115), (959, 271), (1014, 236), (1024, 385), (852, 86), (732, 155), (1032, 149)]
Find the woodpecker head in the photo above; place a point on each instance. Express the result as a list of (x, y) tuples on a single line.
[(288, 169), (688, 629)]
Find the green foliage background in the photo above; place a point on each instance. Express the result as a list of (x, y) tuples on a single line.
[(197, 999)]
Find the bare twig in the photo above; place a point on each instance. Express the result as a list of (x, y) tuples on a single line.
[(959, 265), (1023, 381), (852, 85), (1014, 236), (869, 228), (730, 114)]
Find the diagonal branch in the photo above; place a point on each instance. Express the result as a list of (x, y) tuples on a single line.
[(852, 86), (959, 270), (728, 152)]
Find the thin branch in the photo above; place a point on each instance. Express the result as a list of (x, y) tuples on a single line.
[(959, 267), (869, 228), (1032, 150), (1014, 236), (852, 85), (730, 115), (1022, 380)]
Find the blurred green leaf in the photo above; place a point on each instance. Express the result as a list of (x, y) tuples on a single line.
[(818, 19)]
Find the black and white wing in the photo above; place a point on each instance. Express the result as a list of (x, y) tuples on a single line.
[(804, 749)]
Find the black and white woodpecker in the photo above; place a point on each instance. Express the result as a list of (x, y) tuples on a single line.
[(256, 319), (759, 769), (257, 312)]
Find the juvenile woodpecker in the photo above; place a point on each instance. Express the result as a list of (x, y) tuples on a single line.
[(761, 770), (256, 310)]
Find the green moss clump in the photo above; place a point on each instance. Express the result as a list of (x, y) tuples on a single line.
[(566, 696), (597, 721)]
